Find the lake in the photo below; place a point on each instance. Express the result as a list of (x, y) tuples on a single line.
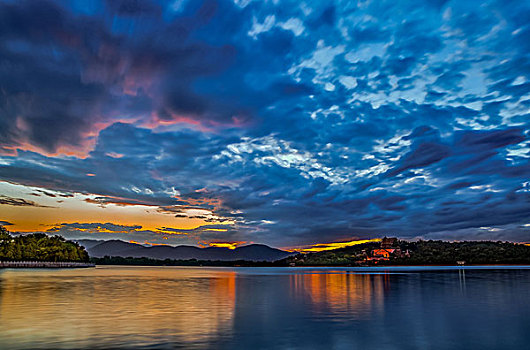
[(116, 307)]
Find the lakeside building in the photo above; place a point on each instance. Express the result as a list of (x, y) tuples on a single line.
[(383, 253), (388, 249)]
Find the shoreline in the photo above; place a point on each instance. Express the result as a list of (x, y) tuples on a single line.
[(348, 268), (58, 265), (44, 264)]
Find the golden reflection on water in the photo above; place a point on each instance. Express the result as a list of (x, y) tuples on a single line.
[(145, 306), (336, 292), (249, 308), (121, 304)]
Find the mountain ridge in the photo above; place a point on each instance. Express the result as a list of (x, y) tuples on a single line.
[(251, 252)]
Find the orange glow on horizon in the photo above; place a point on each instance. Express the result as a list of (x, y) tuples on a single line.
[(148, 243), (229, 245), (319, 247), (70, 208)]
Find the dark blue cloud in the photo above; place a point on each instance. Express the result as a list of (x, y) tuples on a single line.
[(296, 122)]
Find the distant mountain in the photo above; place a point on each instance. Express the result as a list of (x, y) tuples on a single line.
[(88, 243), (252, 252)]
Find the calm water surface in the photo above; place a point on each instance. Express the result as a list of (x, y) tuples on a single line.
[(254, 308)]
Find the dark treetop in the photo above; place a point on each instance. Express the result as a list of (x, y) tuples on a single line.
[(421, 253), (39, 247)]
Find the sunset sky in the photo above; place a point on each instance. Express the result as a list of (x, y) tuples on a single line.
[(276, 122)]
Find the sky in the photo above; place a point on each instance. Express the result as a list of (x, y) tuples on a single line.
[(288, 123)]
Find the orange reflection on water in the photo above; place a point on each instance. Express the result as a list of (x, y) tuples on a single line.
[(339, 292), (131, 304)]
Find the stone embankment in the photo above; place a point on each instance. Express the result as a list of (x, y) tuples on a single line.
[(43, 264)]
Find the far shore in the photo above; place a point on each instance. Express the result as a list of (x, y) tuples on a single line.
[(214, 264), (360, 268), (44, 264)]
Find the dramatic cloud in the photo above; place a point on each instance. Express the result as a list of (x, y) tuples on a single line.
[(202, 235), (96, 227), (19, 202), (284, 123)]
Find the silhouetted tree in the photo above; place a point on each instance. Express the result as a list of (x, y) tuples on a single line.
[(39, 247)]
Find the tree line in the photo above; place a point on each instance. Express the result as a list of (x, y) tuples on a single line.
[(471, 252), (39, 247), (118, 260), (422, 253)]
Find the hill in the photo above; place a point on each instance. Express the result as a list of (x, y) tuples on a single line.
[(419, 253), (252, 252), (472, 252), (336, 257)]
